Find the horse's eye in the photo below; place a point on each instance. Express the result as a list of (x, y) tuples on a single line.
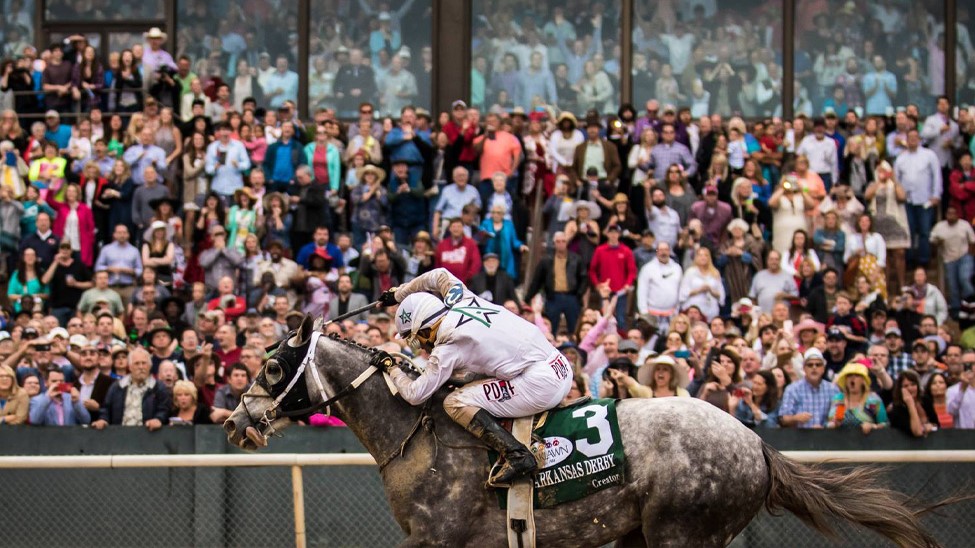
[(273, 373)]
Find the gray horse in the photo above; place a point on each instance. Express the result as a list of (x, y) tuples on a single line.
[(694, 476)]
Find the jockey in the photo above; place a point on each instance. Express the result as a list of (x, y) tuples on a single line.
[(465, 333)]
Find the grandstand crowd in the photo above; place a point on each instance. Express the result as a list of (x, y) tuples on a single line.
[(697, 244)]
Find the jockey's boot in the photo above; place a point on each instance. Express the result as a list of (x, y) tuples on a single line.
[(518, 460)]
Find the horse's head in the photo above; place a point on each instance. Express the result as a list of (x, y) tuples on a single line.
[(279, 393)]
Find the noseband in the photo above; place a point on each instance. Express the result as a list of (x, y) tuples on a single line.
[(380, 361)]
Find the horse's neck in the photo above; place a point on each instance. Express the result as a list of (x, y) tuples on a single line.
[(378, 419)]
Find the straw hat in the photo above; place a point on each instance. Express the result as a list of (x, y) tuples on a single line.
[(853, 368), (621, 198), (376, 170), (245, 191), (567, 116), (154, 32), (646, 373)]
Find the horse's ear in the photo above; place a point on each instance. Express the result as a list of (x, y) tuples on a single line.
[(305, 330)]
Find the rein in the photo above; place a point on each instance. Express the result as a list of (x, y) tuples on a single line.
[(380, 361)]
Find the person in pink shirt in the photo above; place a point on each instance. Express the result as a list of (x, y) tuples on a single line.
[(500, 152), (458, 253)]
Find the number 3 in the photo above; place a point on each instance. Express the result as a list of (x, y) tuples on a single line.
[(596, 419)]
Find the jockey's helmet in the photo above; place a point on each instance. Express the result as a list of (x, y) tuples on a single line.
[(417, 316)]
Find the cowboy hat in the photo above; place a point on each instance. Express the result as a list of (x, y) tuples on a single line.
[(853, 368), (423, 235), (621, 198), (378, 171), (807, 324), (154, 32), (645, 374), (519, 111), (567, 116), (594, 211), (173, 204), (158, 225)]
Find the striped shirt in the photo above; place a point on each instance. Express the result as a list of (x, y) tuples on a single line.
[(802, 397)]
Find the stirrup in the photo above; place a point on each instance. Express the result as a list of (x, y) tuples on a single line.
[(499, 468)]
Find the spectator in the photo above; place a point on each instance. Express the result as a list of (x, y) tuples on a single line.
[(14, 401), (714, 215), (149, 404), (960, 403), (283, 158), (452, 200), (928, 298), (226, 162), (719, 386), (670, 152), (759, 404), (233, 306), (122, 261), (58, 405), (502, 239), (935, 401), (919, 171), (596, 153), (772, 284), (613, 268), (344, 300), (806, 402), (320, 240), (228, 396), (458, 253), (956, 238), (563, 275), (281, 85), (187, 410), (68, 278), (492, 282), (855, 405), (281, 268), (145, 153), (220, 261), (658, 288), (906, 412), (663, 220)]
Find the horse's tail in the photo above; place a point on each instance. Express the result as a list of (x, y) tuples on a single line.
[(817, 495)]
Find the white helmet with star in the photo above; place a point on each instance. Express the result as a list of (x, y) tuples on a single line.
[(418, 311)]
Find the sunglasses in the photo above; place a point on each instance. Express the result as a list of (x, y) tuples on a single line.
[(365, 112), (815, 365)]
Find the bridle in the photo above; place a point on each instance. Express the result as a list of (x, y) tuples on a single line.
[(380, 361)]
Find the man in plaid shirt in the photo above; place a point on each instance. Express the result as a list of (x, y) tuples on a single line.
[(669, 152), (806, 402), (899, 360)]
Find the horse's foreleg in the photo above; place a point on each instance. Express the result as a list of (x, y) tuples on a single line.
[(633, 539)]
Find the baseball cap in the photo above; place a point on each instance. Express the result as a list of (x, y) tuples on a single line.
[(813, 354), (29, 333), (711, 189), (835, 334), (628, 346), (892, 331), (52, 114), (458, 103), (4, 335), (78, 340), (615, 227), (489, 255), (57, 332)]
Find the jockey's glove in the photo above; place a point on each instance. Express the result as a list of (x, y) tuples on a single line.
[(388, 297)]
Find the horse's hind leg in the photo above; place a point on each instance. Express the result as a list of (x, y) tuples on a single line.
[(633, 539)]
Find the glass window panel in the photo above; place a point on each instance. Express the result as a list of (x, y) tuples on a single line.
[(16, 27), (118, 41), (259, 37), (714, 56), (548, 52), (361, 54), (966, 54), (103, 10), (874, 60)]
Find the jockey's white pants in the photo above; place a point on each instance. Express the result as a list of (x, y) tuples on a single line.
[(540, 387)]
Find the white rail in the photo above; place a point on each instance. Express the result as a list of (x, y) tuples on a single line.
[(364, 459)]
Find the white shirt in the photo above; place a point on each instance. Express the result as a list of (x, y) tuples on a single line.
[(658, 287), (821, 154)]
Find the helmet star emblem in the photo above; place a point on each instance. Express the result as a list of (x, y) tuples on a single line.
[(405, 316)]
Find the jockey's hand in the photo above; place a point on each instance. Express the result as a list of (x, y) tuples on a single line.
[(388, 298)]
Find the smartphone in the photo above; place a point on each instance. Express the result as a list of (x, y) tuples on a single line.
[(11, 159), (682, 354), (738, 393), (65, 388), (968, 366), (787, 325)]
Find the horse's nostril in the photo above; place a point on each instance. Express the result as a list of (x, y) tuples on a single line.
[(230, 427)]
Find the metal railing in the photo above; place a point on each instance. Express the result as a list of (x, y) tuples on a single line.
[(364, 518)]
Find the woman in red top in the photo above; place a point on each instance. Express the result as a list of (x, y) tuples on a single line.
[(935, 400)]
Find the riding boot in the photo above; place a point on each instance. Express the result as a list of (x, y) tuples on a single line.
[(518, 460)]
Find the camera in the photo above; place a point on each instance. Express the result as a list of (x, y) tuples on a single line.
[(43, 348), (65, 388)]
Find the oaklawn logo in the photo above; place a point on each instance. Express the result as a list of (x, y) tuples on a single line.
[(557, 449)]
